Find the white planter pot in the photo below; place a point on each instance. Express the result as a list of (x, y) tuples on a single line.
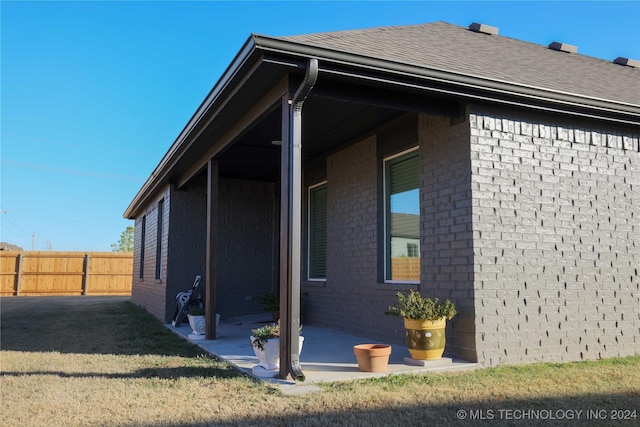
[(269, 358), (198, 325)]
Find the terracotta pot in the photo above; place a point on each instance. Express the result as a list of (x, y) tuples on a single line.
[(425, 338), (372, 357)]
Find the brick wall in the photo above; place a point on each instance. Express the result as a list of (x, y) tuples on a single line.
[(247, 246), (186, 248), (147, 291), (557, 238), (446, 226), (351, 230), (354, 297)]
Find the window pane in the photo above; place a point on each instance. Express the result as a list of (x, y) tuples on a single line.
[(403, 218), (142, 243), (318, 232), (159, 240)]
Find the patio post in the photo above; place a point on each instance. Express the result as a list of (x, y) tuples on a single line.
[(211, 268), (285, 308), (291, 221)]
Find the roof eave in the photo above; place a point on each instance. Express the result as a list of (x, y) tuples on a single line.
[(451, 83), (379, 71), (159, 176)]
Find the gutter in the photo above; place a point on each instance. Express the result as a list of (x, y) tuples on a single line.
[(441, 81), (295, 218)]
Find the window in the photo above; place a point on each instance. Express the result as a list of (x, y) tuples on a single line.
[(142, 239), (402, 218), (413, 250), (318, 232), (159, 240)]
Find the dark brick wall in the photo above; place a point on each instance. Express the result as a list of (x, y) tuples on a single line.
[(187, 243), (149, 292), (446, 268), (529, 224), (247, 246), (354, 297), (557, 238)]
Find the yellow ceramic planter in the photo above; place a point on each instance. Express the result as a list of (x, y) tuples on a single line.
[(425, 338)]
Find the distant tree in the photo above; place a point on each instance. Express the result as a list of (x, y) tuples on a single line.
[(4, 246), (125, 244)]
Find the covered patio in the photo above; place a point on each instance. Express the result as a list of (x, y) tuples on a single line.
[(235, 190), (327, 355)]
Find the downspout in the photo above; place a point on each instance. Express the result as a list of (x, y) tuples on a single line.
[(295, 214)]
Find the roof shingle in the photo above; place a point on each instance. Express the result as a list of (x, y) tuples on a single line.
[(455, 49)]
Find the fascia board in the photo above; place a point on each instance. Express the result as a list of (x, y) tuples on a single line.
[(452, 83), (430, 79), (159, 176)]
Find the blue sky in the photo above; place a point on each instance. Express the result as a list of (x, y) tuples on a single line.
[(94, 93)]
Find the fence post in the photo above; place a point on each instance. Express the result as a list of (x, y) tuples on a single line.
[(18, 274), (85, 277)]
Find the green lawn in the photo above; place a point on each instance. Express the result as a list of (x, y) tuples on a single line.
[(106, 362)]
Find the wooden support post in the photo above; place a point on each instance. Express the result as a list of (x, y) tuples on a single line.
[(18, 273), (85, 277), (291, 176), (285, 309), (212, 249)]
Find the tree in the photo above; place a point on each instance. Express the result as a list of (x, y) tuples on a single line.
[(125, 244)]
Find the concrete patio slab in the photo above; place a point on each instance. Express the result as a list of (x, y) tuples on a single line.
[(327, 355)]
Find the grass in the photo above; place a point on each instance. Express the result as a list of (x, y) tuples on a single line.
[(107, 362)]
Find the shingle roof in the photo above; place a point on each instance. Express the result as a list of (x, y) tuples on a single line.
[(456, 49)]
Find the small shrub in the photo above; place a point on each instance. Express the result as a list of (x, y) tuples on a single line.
[(413, 306)]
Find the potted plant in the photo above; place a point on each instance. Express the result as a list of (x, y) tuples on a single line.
[(271, 304), (266, 345), (425, 320), (372, 357), (197, 322)]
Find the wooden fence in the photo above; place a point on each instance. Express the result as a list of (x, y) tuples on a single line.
[(65, 273), (405, 268)]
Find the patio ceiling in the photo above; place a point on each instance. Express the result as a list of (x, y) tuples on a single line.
[(336, 113), (327, 124)]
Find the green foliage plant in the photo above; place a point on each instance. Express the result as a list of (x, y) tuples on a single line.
[(413, 306), (264, 333), (270, 301), (196, 311)]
